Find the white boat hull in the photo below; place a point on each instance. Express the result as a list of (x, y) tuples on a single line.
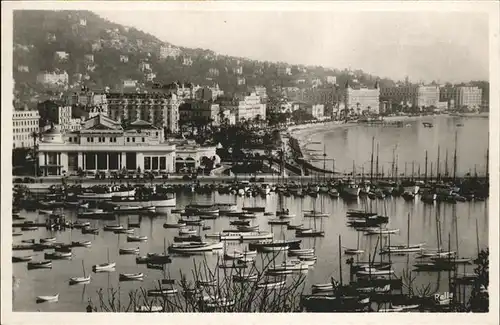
[(166, 203)]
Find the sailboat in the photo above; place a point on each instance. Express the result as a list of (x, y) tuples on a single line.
[(83, 280), (354, 251), (104, 267), (400, 249)]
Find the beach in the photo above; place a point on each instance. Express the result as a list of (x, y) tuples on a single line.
[(304, 133)]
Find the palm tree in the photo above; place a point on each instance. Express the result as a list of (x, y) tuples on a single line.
[(35, 135)]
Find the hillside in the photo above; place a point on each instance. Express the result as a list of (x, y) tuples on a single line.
[(38, 35)]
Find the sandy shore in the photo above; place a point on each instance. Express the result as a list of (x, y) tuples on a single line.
[(304, 133)]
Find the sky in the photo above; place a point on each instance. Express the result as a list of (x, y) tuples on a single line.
[(426, 46)]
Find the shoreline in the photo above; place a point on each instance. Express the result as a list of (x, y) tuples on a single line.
[(304, 133)]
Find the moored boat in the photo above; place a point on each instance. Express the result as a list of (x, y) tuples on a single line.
[(131, 276), (54, 298)]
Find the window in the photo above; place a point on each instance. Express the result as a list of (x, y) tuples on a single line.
[(143, 139), (163, 163), (128, 139), (155, 163), (133, 139), (88, 139), (147, 163), (70, 139), (156, 133)]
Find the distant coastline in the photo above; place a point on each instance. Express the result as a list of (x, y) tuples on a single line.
[(305, 132)]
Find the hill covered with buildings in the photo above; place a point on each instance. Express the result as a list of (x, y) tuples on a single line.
[(60, 51)]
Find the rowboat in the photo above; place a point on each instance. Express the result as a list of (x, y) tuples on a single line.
[(133, 238), (278, 222), (105, 267), (219, 303), (80, 224), (16, 259), (271, 284), (161, 292), (14, 234), (391, 310), (308, 260), (246, 252), (131, 276), (84, 243), (375, 231), (43, 211), (246, 277), (184, 231), (88, 230), (375, 272), (53, 298), (124, 231), (322, 287), (206, 283), (58, 255), (28, 241), (113, 227), (40, 265), (47, 240), (29, 228), (194, 247), (274, 248), (353, 251), (131, 250), (294, 227), (174, 225), (80, 279), (300, 252)]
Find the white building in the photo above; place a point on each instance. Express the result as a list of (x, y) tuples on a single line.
[(24, 123), (241, 81), (123, 58), (332, 80), (214, 72), (249, 108), (144, 67), (129, 83), (468, 97), (23, 68), (317, 111), (103, 145), (150, 76), (83, 22), (284, 71), (61, 55), (53, 78), (187, 61), (169, 52), (238, 70), (89, 58)]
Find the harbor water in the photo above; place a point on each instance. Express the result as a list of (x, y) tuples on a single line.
[(344, 144)]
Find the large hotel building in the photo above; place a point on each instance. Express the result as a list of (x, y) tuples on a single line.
[(104, 145), (412, 95), (362, 99)]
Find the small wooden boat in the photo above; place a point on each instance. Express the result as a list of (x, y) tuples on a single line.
[(44, 211), (40, 265), (187, 232), (206, 283), (301, 252), (278, 222), (353, 251), (246, 252), (17, 259), (168, 281), (113, 227), (133, 238), (294, 227), (174, 225), (28, 241), (129, 251), (271, 284), (161, 292), (105, 267), (58, 255), (245, 277), (83, 243), (206, 227), (374, 272), (123, 231), (80, 224), (131, 276), (88, 230), (15, 234), (375, 231), (80, 279), (53, 298), (29, 228)]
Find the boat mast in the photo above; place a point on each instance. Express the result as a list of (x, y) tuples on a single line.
[(405, 169), (487, 162), (431, 171), (371, 161), (324, 162), (340, 259), (412, 169), (408, 237), (446, 164), (455, 159), (438, 174), (425, 175), (376, 164)]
